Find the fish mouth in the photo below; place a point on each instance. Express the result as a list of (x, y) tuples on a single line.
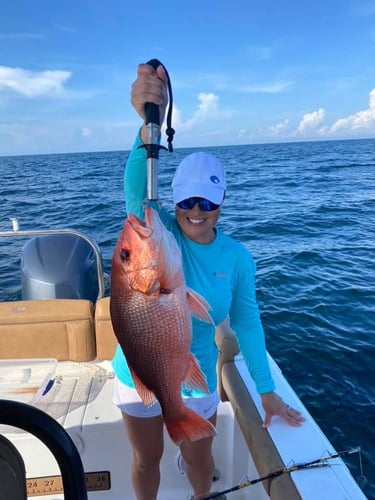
[(139, 226)]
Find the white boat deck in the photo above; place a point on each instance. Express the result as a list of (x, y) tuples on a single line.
[(81, 401)]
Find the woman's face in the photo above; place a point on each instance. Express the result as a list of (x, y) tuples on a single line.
[(196, 224)]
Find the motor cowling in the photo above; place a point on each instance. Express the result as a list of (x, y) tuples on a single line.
[(60, 266)]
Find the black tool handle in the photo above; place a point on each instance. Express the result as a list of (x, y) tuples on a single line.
[(151, 109)]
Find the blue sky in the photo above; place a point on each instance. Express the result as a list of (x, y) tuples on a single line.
[(242, 72)]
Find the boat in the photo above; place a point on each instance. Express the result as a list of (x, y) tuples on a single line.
[(56, 345)]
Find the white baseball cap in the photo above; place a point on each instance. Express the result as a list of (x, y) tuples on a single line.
[(199, 174)]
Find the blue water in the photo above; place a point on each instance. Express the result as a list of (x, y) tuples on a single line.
[(307, 213)]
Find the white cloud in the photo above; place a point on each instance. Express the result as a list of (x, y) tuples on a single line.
[(358, 124), (208, 108), (265, 88), (230, 83), (280, 129), (310, 121), (208, 104), (33, 137), (14, 134), (361, 120), (242, 133), (33, 83), (86, 132)]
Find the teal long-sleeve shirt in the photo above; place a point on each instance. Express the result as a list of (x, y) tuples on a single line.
[(223, 272)]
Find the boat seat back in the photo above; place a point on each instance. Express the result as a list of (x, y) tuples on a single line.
[(58, 328), (232, 388)]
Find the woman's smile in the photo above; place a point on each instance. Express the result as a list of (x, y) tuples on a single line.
[(196, 221)]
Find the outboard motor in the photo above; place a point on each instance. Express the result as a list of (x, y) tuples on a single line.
[(59, 266)]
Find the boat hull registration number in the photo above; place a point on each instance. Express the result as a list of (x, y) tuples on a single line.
[(48, 485)]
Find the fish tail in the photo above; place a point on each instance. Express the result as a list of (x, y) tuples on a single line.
[(189, 427)]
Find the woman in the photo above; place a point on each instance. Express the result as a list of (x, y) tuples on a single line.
[(218, 268)]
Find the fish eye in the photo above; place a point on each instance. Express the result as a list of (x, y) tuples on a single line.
[(125, 254)]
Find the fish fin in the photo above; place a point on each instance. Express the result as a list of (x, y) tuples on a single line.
[(195, 378), (198, 306), (147, 396), (189, 427)]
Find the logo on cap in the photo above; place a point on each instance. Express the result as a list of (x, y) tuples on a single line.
[(214, 179)]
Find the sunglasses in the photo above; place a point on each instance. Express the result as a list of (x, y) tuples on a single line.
[(204, 205)]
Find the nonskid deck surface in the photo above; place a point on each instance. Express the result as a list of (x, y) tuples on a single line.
[(81, 401)]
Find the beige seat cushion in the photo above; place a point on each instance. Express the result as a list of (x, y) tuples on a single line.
[(106, 341), (59, 328)]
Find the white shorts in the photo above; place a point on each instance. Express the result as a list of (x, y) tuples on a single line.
[(128, 401)]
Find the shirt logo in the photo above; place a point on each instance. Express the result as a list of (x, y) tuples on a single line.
[(220, 275)]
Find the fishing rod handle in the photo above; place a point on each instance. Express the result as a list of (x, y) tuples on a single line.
[(152, 110)]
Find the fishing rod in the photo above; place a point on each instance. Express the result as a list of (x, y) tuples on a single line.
[(319, 462), (152, 146)]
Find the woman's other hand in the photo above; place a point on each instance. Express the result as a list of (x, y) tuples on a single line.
[(274, 405)]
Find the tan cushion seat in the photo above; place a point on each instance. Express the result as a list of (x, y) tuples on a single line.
[(58, 328), (106, 341)]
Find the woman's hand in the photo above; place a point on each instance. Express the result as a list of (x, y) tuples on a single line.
[(274, 405), (150, 86)]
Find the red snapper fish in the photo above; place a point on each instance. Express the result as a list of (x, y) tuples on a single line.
[(151, 311)]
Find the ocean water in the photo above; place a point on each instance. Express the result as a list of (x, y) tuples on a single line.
[(306, 211)]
